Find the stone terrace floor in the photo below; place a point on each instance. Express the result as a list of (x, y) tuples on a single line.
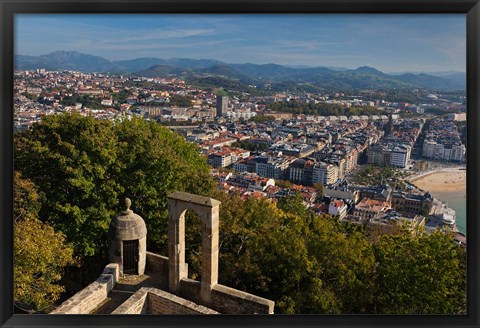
[(126, 287)]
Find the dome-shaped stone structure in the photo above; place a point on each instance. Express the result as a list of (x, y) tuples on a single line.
[(128, 241)]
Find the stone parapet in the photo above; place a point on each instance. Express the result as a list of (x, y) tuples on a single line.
[(89, 298), (156, 301), (233, 301), (226, 300), (158, 265), (135, 304)]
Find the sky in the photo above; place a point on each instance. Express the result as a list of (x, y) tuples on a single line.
[(390, 43)]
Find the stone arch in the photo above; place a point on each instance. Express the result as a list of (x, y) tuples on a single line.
[(208, 211)]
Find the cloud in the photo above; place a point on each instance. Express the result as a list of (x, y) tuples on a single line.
[(160, 34)]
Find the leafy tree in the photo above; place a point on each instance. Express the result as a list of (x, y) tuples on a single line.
[(180, 101), (374, 232), (27, 201), (303, 262), (73, 160), (85, 167), (86, 100), (283, 183), (40, 253), (155, 163), (262, 118), (121, 96), (376, 175), (221, 92), (315, 264), (346, 266), (262, 251), (423, 274), (294, 204), (193, 244), (298, 107), (320, 189), (247, 145)]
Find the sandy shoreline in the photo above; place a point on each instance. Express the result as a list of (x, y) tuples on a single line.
[(446, 180)]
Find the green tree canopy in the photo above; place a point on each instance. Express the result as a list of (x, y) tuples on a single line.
[(85, 167), (423, 274), (262, 118), (40, 253), (315, 264), (324, 109), (306, 263), (180, 101)]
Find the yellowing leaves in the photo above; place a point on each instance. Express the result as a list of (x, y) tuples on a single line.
[(40, 253)]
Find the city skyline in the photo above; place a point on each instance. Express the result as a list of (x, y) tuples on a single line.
[(390, 43)]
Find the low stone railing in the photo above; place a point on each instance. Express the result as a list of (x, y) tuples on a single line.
[(89, 298), (156, 301)]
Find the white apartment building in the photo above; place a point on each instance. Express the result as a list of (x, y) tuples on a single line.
[(296, 173), (455, 152), (458, 153), (428, 149), (438, 152), (219, 159), (240, 167), (245, 114), (394, 155), (400, 156), (351, 160), (337, 207), (273, 168), (325, 173)]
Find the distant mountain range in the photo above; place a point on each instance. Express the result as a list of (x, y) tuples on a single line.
[(326, 77)]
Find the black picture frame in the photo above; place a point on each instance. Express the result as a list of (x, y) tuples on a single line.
[(471, 8)]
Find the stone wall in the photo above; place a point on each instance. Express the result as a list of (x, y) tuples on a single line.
[(161, 302), (156, 301), (89, 298), (227, 300), (190, 289), (233, 301), (135, 304), (158, 265)]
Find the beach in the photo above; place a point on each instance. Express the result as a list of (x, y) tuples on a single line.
[(443, 181), (447, 185)]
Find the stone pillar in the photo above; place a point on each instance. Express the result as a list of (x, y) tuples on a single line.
[(177, 269), (142, 251), (210, 223), (208, 210)]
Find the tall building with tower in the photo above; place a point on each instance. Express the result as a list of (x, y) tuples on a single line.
[(222, 105)]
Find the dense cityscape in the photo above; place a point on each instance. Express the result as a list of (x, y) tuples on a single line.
[(259, 152)]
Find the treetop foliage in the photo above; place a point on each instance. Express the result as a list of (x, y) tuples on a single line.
[(85, 167), (324, 109), (180, 101), (314, 264), (40, 253)]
